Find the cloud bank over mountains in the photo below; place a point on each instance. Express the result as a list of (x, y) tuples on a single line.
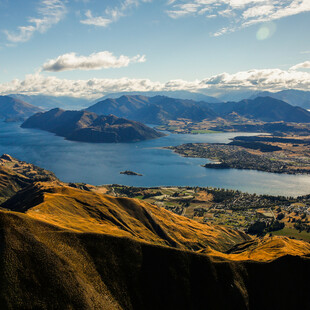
[(263, 79)]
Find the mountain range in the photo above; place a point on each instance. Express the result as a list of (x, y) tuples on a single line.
[(67, 248), (12, 109), (160, 109), (89, 127), (152, 110), (48, 102), (292, 96), (178, 94)]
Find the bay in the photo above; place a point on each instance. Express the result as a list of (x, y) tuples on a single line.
[(102, 163)]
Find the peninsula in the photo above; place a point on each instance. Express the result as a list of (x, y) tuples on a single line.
[(86, 126)]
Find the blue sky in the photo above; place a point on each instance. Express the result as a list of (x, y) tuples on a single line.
[(89, 47)]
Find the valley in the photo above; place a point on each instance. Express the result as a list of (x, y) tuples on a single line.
[(186, 126), (274, 215)]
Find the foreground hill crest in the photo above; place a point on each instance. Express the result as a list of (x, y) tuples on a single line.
[(67, 248)]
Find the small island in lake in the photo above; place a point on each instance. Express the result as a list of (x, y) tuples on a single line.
[(128, 172)]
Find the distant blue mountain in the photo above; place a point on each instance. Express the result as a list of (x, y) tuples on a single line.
[(292, 96), (266, 109), (48, 102), (12, 109), (178, 94)]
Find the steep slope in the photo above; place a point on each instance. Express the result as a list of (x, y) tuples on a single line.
[(89, 127), (44, 267), (15, 109), (153, 110)]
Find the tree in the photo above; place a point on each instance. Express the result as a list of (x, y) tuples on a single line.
[(257, 228)]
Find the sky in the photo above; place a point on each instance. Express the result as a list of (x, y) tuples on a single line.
[(86, 48)]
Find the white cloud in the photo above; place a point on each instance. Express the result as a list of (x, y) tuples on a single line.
[(50, 12), (240, 13), (111, 14), (303, 65), (264, 79), (95, 61), (258, 11), (95, 21)]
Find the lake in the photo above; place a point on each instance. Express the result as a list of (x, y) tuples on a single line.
[(102, 163)]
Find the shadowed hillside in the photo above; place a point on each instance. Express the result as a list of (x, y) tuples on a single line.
[(66, 248)]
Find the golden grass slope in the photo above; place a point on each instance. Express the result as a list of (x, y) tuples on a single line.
[(81, 211), (266, 249), (88, 212)]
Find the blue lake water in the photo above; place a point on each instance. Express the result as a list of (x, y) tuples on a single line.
[(101, 163)]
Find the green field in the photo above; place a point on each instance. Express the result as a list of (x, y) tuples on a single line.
[(204, 131), (291, 232)]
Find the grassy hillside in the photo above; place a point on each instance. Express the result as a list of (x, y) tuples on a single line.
[(67, 248)]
